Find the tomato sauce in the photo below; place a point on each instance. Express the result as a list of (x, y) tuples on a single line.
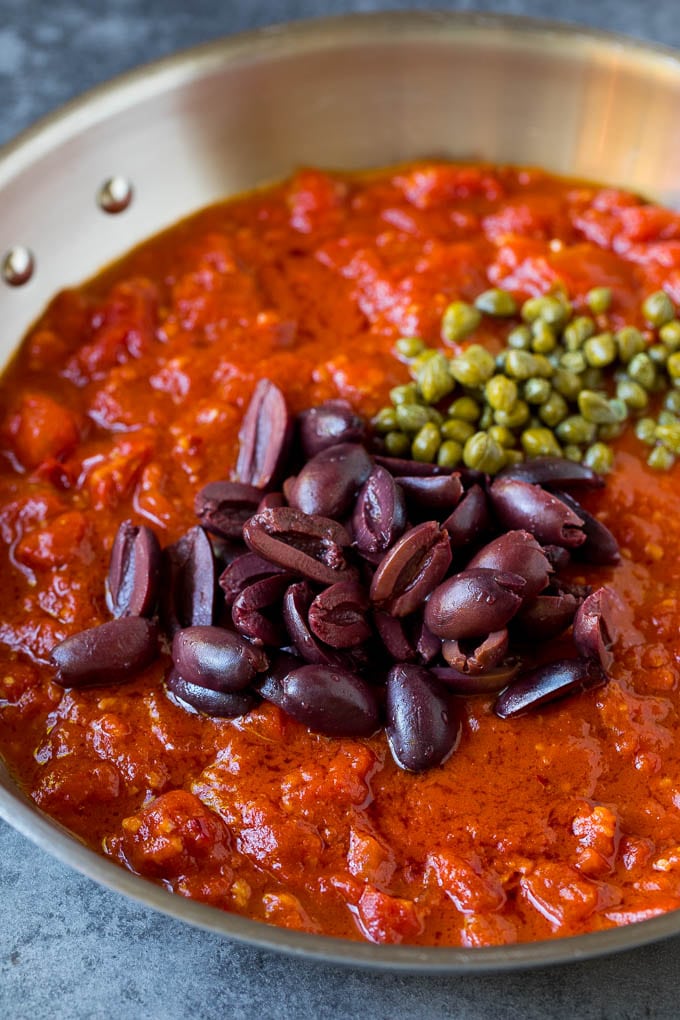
[(127, 396)]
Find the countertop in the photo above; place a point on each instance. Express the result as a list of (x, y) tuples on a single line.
[(71, 950)]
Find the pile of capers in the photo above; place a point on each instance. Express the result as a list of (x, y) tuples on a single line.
[(562, 385)]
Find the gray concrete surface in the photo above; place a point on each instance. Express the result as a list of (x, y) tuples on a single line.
[(70, 950)]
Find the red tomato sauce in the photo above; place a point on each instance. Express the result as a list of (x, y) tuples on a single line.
[(127, 396)]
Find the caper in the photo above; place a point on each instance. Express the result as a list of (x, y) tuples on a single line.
[(599, 300), (515, 418), (577, 332), (575, 429), (385, 420), (496, 302), (572, 452), (600, 350), (591, 379), (426, 443), (673, 365), (630, 342), (634, 395), (536, 391), (548, 308), (449, 453), (661, 459), (483, 453), (513, 457), (554, 410), (457, 429), (459, 320), (672, 401), (666, 417), (502, 435), (609, 432), (641, 370), (487, 418), (544, 337), (406, 394), (574, 361), (412, 417), (543, 367), (465, 408), (520, 338), (669, 435), (567, 383), (595, 407), (397, 444), (658, 308), (501, 393), (669, 334), (599, 457), (409, 347), (645, 430), (659, 354), (434, 379), (473, 367), (540, 442), (520, 365)]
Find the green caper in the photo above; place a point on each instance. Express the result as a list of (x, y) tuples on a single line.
[(645, 430), (672, 401), (609, 432), (666, 417), (487, 418), (599, 300), (459, 320), (595, 407), (572, 452), (567, 383), (503, 436), (520, 338), (548, 308), (661, 459), (591, 379), (641, 370), (600, 350), (450, 453), (669, 334), (634, 395), (515, 418), (513, 457), (543, 367), (397, 444), (385, 420), (658, 308), (520, 365), (457, 429), (434, 379), (574, 361), (577, 332), (465, 408), (473, 367), (544, 337), (412, 417), (496, 302), (669, 435), (630, 342), (576, 430), (501, 393), (659, 354), (483, 453), (536, 391), (426, 443), (599, 457), (409, 347), (554, 410), (406, 394), (673, 365), (540, 442)]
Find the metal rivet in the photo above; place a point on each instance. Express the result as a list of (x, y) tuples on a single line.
[(18, 266), (115, 195)]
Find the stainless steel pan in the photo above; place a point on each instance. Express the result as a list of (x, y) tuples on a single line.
[(352, 92)]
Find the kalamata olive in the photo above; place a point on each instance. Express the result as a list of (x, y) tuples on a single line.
[(328, 424), (477, 656), (108, 654), (328, 483), (220, 704), (600, 547), (339, 615), (466, 684), (516, 552), (547, 683), (330, 700), (427, 497), (423, 728), (411, 569), (264, 438), (545, 617), (187, 582), (256, 611), (428, 645), (296, 602), (473, 603), (520, 505), (557, 556), (270, 500), (312, 547), (245, 570), (216, 658), (594, 626), (399, 467), (394, 636), (470, 520), (224, 507), (269, 684), (134, 572), (553, 473), (379, 517)]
